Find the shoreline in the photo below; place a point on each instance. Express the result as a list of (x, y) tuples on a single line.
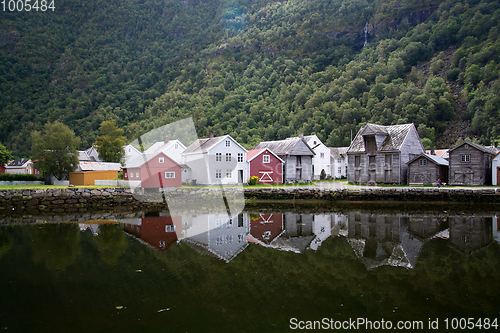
[(123, 199)]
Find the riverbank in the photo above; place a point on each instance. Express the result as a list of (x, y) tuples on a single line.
[(75, 199)]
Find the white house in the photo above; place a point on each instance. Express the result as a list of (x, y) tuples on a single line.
[(320, 161), (495, 169), (171, 148), (131, 153), (339, 162), (23, 166), (215, 160)]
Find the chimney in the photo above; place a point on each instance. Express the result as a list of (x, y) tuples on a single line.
[(301, 135), (433, 152), (165, 140), (496, 144), (211, 135)]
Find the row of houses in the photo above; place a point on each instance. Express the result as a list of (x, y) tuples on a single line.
[(378, 154)]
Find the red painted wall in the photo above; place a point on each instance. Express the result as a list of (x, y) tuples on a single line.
[(152, 173), (266, 227), (257, 167)]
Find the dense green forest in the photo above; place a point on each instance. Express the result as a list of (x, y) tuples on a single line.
[(257, 70)]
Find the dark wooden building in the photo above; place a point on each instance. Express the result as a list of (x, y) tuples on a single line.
[(470, 164), (379, 154), (427, 169)]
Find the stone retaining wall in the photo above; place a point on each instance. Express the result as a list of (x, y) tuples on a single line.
[(74, 199)]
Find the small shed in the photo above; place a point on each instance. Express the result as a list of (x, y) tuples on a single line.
[(88, 172), (265, 165), (427, 169), (470, 164)]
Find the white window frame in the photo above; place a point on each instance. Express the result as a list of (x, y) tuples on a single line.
[(161, 160), (170, 228), (322, 155), (170, 175), (218, 174), (229, 174), (228, 143), (218, 157), (136, 175), (228, 157), (266, 158), (240, 157), (465, 158)]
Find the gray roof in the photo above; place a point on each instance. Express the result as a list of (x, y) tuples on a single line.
[(338, 152), (475, 145), (204, 145), (18, 163), (283, 147), (433, 158), (395, 136)]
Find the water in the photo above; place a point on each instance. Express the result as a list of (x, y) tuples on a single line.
[(269, 269)]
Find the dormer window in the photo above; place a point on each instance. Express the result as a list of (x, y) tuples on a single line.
[(370, 143)]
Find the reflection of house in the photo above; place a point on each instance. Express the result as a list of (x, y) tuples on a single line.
[(22, 166), (470, 164), (426, 227), (427, 169), (320, 161), (297, 156), (298, 233), (496, 229), (322, 229), (378, 154), (338, 162), (383, 240), (155, 170), (265, 165), (215, 160), (217, 234), (159, 232), (470, 233), (264, 228), (88, 172)]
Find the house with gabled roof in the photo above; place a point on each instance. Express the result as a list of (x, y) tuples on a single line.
[(338, 157), (297, 156), (155, 170), (321, 161), (215, 160), (427, 169), (265, 165), (131, 153), (379, 154), (470, 164), (22, 166), (172, 148)]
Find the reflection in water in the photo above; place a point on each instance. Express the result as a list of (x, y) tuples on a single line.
[(376, 239)]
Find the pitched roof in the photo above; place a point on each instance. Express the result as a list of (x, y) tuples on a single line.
[(143, 158), (433, 158), (474, 145), (98, 166), (283, 147), (256, 152), (204, 145), (337, 152), (18, 163), (309, 139), (395, 136)]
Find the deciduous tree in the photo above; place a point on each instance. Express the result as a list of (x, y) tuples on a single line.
[(110, 143)]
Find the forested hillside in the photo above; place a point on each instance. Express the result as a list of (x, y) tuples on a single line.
[(257, 70)]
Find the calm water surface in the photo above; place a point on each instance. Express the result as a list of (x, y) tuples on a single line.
[(264, 270)]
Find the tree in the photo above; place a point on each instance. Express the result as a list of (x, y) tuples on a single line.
[(110, 143), (5, 155), (55, 151)]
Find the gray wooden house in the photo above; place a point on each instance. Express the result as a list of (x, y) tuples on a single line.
[(470, 164), (379, 154), (427, 169), (297, 156)]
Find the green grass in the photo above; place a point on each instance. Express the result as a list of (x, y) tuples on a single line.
[(38, 187)]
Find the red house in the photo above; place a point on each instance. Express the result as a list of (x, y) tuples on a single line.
[(266, 165), (159, 232), (155, 170)]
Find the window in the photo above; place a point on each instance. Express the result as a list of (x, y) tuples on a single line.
[(169, 175), (218, 174), (170, 228), (228, 143), (162, 243), (161, 160), (176, 146), (218, 157), (465, 158), (229, 173), (371, 161), (136, 175), (357, 161), (266, 159), (388, 159), (339, 160), (124, 175), (339, 170), (228, 157), (240, 157), (322, 155), (422, 162)]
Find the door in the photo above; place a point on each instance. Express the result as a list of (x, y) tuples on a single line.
[(240, 176)]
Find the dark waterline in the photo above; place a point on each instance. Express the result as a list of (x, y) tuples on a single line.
[(152, 272)]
